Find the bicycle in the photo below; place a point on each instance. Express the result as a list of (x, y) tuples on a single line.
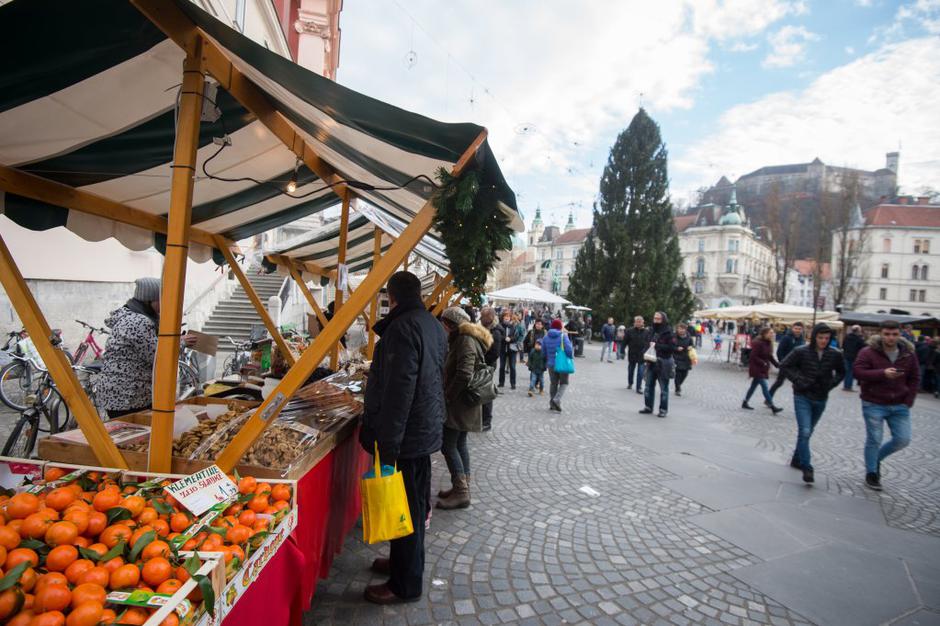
[(17, 379), (187, 375), (89, 343), (239, 359), (46, 403)]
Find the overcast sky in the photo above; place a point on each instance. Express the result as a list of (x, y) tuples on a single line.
[(734, 84)]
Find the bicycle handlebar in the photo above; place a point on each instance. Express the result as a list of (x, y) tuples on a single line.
[(103, 331)]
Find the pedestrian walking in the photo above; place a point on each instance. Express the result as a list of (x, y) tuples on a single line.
[(791, 340), (638, 340), (888, 373), (620, 345), (536, 368), (608, 336), (404, 415), (488, 321), (558, 383), (758, 368), (659, 369), (853, 344), (536, 333), (684, 343), (466, 350), (507, 357), (814, 369), (924, 351)]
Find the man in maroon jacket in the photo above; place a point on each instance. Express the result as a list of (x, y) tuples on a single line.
[(889, 375)]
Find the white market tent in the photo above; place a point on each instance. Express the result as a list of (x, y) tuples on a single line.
[(527, 292), (775, 312)]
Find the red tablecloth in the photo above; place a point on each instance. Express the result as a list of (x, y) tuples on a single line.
[(328, 507)]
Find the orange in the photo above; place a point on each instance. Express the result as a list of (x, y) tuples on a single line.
[(11, 602), (155, 549), (238, 534), (51, 579), (95, 576), (156, 570), (148, 515), (19, 555), (100, 548), (61, 534), (97, 522), (60, 557), (108, 617), (280, 492), (178, 523), (190, 544), (24, 618), (170, 586), (22, 505), (280, 505), (140, 532), (59, 498), (227, 553), (88, 591), (86, 614), (170, 620), (263, 489), (53, 473), (80, 518), (48, 513), (124, 577), (237, 552), (113, 535), (247, 518), (28, 579), (258, 504), (212, 543), (52, 618), (247, 484), (162, 528), (35, 526), (17, 525), (9, 538), (28, 603), (135, 616), (74, 571), (3, 554), (52, 598), (182, 574), (113, 564), (82, 542), (134, 504), (262, 523), (107, 499)]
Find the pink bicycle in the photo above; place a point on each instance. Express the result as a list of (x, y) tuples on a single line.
[(89, 343)]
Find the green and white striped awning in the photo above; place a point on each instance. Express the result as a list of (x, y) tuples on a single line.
[(88, 99)]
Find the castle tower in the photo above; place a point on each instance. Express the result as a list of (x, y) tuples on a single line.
[(570, 225), (537, 227)]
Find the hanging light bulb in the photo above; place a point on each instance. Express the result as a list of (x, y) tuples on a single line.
[(292, 183)]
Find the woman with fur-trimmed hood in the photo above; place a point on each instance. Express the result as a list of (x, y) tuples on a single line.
[(468, 344)]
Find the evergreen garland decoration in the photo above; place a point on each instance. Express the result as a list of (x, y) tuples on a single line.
[(473, 228)]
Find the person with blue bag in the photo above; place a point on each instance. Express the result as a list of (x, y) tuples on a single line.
[(556, 342), (403, 418)]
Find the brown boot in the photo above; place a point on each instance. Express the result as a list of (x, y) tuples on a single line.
[(459, 497), (445, 493)]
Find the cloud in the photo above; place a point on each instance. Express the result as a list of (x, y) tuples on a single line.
[(742, 46), (788, 46), (849, 50), (917, 17), (851, 115), (730, 19)]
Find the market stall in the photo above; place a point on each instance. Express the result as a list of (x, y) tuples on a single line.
[(161, 126)]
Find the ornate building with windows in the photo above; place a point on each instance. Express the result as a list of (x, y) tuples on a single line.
[(723, 258)]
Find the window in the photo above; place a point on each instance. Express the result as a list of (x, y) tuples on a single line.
[(923, 272), (921, 246), (883, 293), (729, 266), (886, 245), (700, 267), (699, 287), (922, 295), (701, 245), (915, 272), (733, 245), (559, 254), (913, 295), (917, 246), (884, 270)]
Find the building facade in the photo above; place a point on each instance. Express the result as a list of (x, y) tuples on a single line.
[(801, 284), (896, 244), (724, 260)]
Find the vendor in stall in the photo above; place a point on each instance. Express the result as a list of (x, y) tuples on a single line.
[(125, 384)]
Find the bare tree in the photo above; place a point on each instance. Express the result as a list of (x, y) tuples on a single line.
[(783, 222), (845, 241)]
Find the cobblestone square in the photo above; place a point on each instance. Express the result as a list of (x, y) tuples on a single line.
[(600, 515)]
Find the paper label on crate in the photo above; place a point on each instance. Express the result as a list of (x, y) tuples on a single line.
[(201, 491), (40, 487), (148, 599)]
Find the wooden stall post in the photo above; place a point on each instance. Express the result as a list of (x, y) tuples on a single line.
[(304, 289), (374, 307), (256, 302), (438, 290), (57, 364), (340, 262), (174, 265), (445, 300)]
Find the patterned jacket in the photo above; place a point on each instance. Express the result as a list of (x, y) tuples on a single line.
[(126, 380)]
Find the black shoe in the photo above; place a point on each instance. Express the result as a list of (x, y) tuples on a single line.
[(488, 428), (501, 385), (553, 407), (795, 463), (776, 409), (661, 414), (629, 386), (639, 390), (808, 476), (872, 481), (745, 405), (646, 410), (769, 405)]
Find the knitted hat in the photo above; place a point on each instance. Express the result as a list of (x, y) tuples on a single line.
[(147, 289), (556, 324), (455, 315)]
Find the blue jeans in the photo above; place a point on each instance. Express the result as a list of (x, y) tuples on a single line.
[(639, 366), (608, 349), (849, 378), (658, 372), (763, 387), (536, 379), (808, 412), (456, 454), (898, 417)]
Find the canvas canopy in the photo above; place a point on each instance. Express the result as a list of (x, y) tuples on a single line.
[(774, 312), (526, 292), (95, 106)]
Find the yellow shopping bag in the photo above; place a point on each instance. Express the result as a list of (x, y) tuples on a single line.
[(385, 512)]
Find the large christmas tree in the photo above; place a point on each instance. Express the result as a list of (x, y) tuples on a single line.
[(630, 264)]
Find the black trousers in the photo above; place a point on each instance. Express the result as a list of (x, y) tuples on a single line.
[(680, 377), (406, 555), (487, 415), (123, 412)]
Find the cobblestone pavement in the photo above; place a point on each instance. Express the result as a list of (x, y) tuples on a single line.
[(599, 515)]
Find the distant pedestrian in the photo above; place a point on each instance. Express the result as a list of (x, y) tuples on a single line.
[(556, 340), (907, 332), (536, 368), (519, 336), (923, 349), (814, 370), (488, 320), (619, 345), (507, 357), (791, 339), (638, 340), (684, 343), (853, 344), (536, 333), (889, 375), (758, 368), (660, 370), (608, 336)]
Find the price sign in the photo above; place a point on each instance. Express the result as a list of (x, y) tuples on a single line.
[(201, 491)]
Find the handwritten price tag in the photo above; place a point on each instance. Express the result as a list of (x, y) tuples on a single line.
[(201, 491)]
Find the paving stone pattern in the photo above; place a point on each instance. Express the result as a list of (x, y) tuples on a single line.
[(604, 516)]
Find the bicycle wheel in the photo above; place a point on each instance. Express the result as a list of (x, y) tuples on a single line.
[(15, 385), (187, 382), (22, 438), (57, 412)]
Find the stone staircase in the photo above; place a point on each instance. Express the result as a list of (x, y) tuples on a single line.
[(235, 316)]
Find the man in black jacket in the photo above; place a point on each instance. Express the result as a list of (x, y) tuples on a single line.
[(404, 414), (853, 344), (488, 320), (660, 370), (638, 340), (814, 369)]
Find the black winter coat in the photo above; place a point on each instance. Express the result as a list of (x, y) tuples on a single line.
[(665, 341), (683, 361), (852, 345), (788, 343), (496, 348), (813, 376), (637, 340), (404, 400)]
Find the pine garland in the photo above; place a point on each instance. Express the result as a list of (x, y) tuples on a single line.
[(473, 228)]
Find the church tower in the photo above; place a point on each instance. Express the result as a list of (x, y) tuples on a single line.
[(537, 227), (570, 225)]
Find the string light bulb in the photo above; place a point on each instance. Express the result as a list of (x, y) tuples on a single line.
[(292, 183)]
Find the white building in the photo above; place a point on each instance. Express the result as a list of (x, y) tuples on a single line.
[(896, 269), (724, 260), (801, 284), (551, 254)]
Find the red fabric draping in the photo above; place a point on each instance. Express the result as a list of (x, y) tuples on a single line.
[(274, 597)]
